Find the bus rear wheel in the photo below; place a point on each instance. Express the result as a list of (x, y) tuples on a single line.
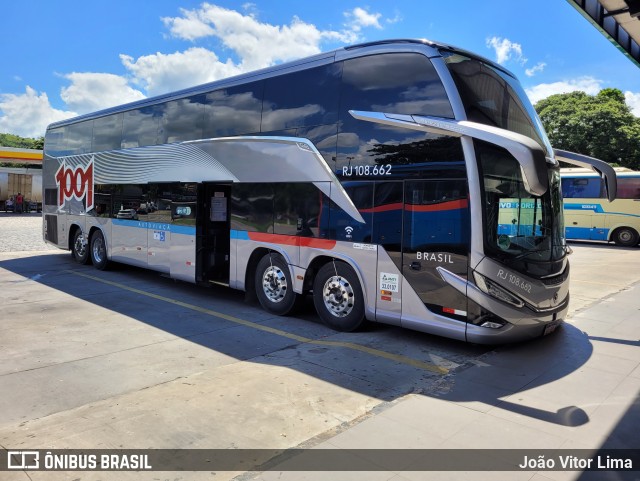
[(274, 287), (99, 251), (80, 248), (625, 237), (338, 298)]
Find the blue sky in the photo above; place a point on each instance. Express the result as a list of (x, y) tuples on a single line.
[(68, 57)]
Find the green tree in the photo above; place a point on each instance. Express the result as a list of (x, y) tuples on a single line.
[(10, 140), (601, 125)]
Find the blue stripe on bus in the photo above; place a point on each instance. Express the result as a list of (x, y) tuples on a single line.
[(594, 207), (240, 234), (161, 226), (597, 208), (586, 233)]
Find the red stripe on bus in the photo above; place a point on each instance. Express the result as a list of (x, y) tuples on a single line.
[(292, 240), (382, 208), (449, 205)]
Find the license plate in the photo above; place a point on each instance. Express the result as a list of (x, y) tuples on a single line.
[(549, 328)]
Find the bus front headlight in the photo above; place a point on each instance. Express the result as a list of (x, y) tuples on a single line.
[(493, 289)]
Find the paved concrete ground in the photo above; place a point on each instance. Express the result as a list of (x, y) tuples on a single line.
[(128, 359), (21, 232), (577, 390)]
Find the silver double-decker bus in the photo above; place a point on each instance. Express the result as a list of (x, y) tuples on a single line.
[(373, 177)]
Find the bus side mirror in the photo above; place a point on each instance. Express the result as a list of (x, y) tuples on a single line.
[(527, 152), (604, 170)]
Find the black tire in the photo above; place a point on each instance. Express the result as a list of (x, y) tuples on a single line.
[(338, 298), (625, 237), (98, 251), (274, 287), (80, 248)]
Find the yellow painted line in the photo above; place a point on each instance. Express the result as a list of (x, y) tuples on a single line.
[(278, 332)]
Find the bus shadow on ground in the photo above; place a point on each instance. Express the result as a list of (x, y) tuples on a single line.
[(384, 362)]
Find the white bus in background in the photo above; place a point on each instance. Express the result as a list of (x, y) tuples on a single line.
[(589, 216)]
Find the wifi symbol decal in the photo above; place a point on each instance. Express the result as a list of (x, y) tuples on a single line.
[(348, 230)]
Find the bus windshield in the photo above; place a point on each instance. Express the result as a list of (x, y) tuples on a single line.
[(490, 96), (519, 226), (522, 230)]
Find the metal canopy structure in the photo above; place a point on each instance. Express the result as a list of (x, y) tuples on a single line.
[(618, 20)]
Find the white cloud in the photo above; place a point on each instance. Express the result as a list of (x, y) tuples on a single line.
[(589, 85), (633, 101), (251, 44), (362, 18), (28, 114), (190, 26), (506, 50), (160, 73), (539, 67), (258, 44), (397, 18), (94, 91)]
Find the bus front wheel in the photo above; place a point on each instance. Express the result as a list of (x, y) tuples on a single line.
[(98, 251), (338, 298), (274, 286), (625, 237), (80, 248)]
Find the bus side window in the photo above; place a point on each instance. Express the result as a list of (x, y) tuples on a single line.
[(233, 110), (140, 127), (78, 138), (252, 207), (628, 187), (582, 188), (182, 120), (302, 99), (107, 133), (296, 209)]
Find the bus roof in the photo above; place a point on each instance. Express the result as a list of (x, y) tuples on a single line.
[(318, 59)]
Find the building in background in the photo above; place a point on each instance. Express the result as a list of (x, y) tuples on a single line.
[(20, 171)]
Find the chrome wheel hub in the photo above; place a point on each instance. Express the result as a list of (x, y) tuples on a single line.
[(98, 250), (80, 246), (338, 296), (274, 284)]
